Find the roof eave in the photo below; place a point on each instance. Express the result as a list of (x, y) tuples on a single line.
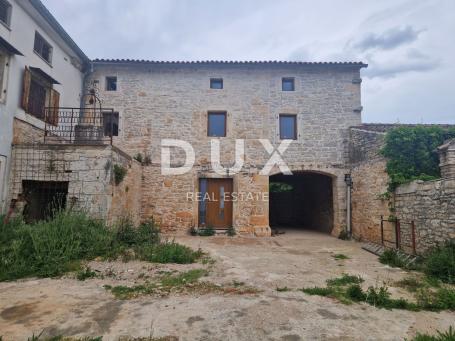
[(44, 12)]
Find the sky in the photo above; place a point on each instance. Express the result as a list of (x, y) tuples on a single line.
[(408, 44)]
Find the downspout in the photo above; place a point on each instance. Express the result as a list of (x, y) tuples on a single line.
[(87, 73), (348, 181)]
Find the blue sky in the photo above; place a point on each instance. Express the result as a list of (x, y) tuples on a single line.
[(409, 45)]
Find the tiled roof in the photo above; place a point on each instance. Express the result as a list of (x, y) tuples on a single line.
[(384, 127), (234, 62)]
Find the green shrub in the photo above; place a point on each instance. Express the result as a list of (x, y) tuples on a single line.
[(207, 232), (396, 259), (51, 248), (440, 336), (85, 273), (231, 231), (410, 153), (355, 293), (344, 280), (168, 252), (119, 174), (138, 157), (440, 262), (318, 291)]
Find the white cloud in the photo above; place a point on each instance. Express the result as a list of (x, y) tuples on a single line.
[(407, 43)]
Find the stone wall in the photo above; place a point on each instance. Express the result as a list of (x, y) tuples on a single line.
[(431, 205), (158, 101), (370, 180), (24, 132), (88, 171)]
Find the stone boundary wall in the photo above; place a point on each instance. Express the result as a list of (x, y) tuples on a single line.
[(370, 180), (431, 204)]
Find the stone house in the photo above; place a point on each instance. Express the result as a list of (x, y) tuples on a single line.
[(40, 66), (311, 104)]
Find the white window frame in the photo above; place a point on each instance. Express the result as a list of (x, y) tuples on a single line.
[(7, 24)]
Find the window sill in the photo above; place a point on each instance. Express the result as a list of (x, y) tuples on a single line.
[(44, 60), (5, 25), (32, 120)]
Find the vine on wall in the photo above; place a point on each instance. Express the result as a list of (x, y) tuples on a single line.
[(411, 153)]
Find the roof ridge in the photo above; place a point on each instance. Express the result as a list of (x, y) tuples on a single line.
[(147, 61)]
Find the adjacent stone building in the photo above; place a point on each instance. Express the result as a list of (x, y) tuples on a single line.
[(315, 103)]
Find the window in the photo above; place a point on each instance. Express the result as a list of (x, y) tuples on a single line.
[(216, 83), (110, 122), (216, 125), (288, 127), (5, 12), (287, 84), (38, 94), (43, 48), (111, 83)]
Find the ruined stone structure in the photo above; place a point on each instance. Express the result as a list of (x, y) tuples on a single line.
[(171, 100)]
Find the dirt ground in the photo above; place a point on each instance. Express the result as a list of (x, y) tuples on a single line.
[(67, 306)]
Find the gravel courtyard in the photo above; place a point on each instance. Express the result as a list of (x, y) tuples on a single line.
[(67, 306)]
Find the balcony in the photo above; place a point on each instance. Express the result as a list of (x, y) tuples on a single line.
[(83, 126)]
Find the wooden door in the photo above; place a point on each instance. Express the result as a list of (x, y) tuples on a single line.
[(218, 203)]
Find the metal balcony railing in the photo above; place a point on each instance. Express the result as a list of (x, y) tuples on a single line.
[(79, 125)]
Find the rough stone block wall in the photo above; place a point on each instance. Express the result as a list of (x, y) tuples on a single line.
[(24, 132), (370, 180), (157, 101), (431, 205), (88, 171), (127, 195)]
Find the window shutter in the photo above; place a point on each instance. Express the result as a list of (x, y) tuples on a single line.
[(55, 103), (26, 88)]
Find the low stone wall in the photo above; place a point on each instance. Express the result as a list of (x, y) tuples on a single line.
[(370, 180), (431, 205)]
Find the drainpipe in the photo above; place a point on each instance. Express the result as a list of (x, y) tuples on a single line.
[(348, 181)]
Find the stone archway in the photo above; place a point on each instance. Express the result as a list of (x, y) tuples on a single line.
[(304, 200)]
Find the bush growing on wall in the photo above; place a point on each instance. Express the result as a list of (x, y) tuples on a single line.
[(411, 153)]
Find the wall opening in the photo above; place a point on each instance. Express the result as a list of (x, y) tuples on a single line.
[(43, 199), (302, 200)]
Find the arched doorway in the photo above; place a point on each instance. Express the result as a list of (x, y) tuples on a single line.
[(303, 200)]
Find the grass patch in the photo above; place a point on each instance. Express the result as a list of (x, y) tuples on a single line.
[(85, 273), (63, 338), (440, 262), (340, 256), (448, 335), (188, 281), (344, 280), (395, 259), (53, 247), (283, 289), (347, 290)]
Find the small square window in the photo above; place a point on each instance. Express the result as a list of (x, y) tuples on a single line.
[(42, 48), (5, 12), (111, 83), (288, 84), (288, 127), (110, 122), (216, 83), (216, 124)]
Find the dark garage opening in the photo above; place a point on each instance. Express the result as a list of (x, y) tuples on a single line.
[(43, 199), (302, 200)]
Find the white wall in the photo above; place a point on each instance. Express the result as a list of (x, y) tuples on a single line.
[(25, 20)]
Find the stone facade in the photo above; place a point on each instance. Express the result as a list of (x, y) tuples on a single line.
[(370, 180), (170, 101), (431, 205)]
